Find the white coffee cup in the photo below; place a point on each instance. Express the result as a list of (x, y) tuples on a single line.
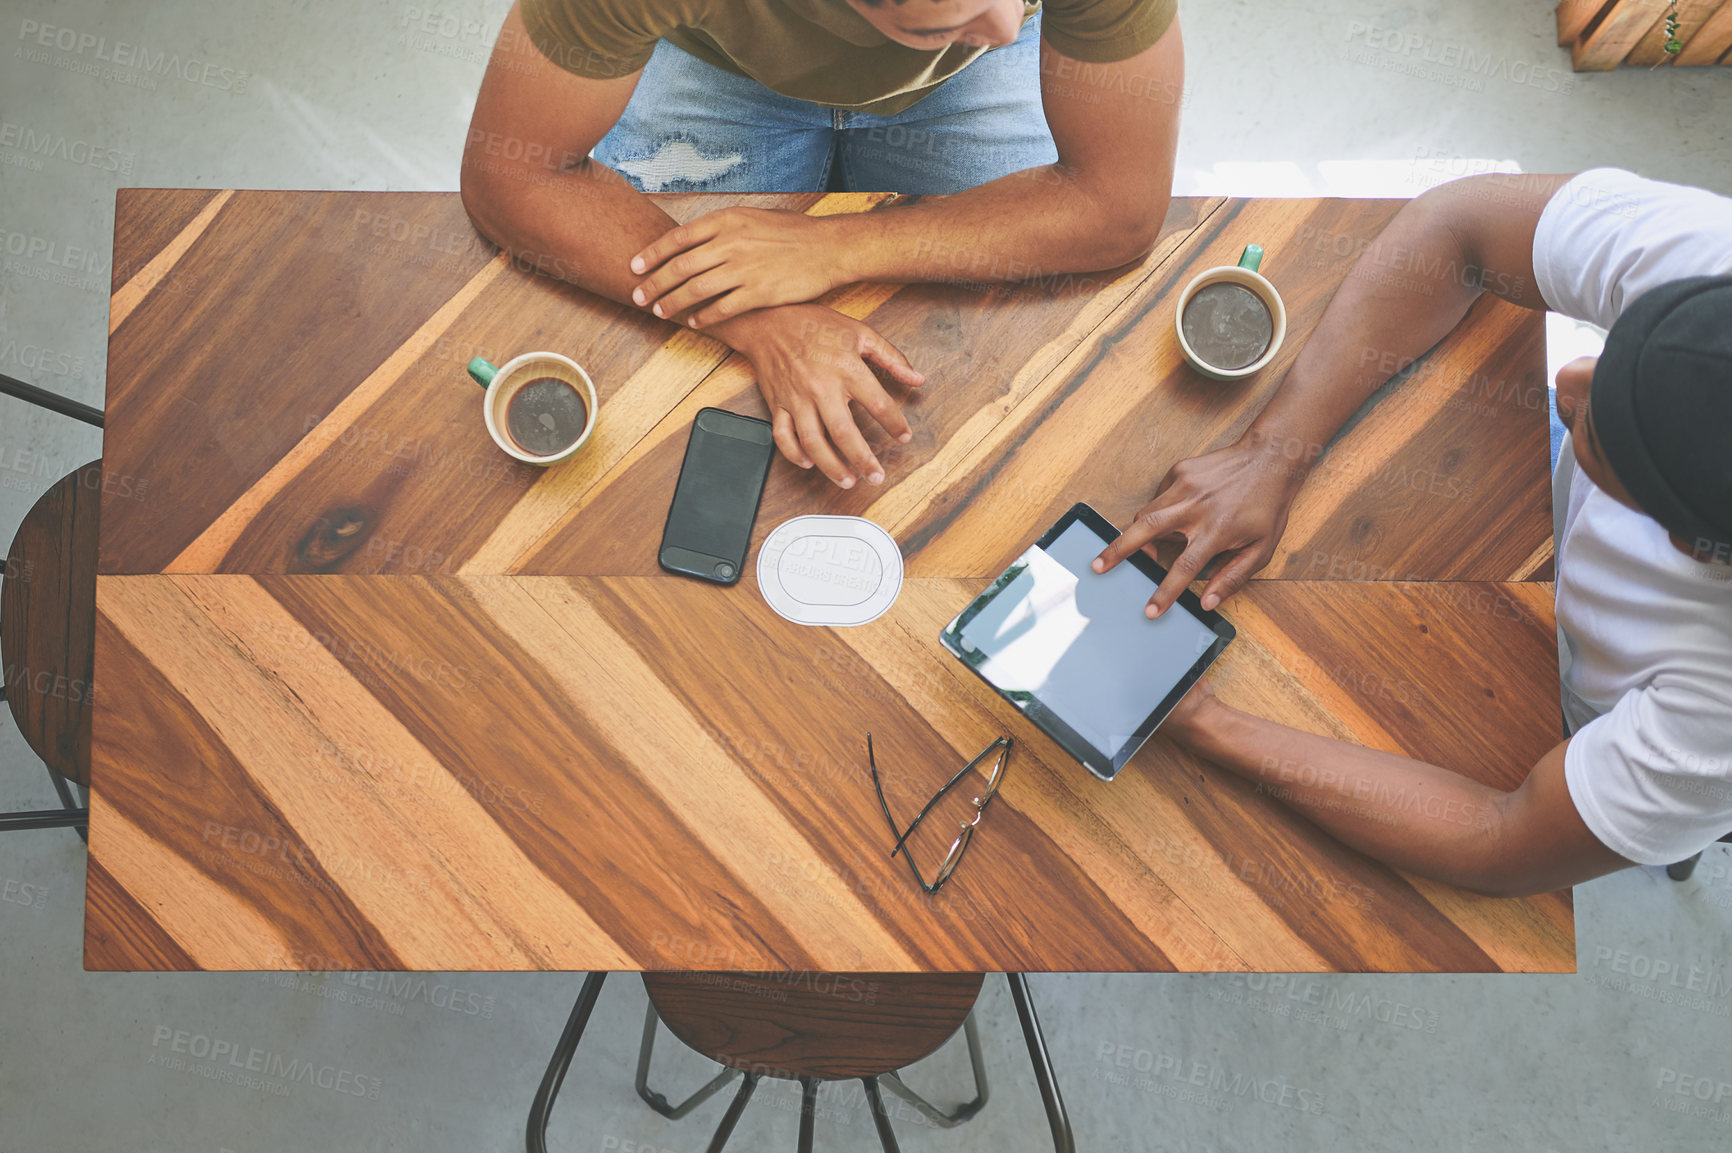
[(504, 383), (1245, 275)]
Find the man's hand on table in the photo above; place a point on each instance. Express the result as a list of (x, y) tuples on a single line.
[(1230, 507), (811, 362), (738, 259)]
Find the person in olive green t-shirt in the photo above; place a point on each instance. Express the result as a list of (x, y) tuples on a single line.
[(1053, 129)]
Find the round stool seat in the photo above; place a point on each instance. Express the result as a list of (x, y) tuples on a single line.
[(48, 622), (825, 1025)]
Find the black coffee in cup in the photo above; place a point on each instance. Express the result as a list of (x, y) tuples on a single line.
[(545, 416), (1228, 326)]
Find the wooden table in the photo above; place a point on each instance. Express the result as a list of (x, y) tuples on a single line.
[(373, 696)]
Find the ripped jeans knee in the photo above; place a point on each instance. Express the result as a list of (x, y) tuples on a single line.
[(678, 164)]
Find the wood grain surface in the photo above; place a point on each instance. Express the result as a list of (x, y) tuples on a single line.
[(1712, 41), (642, 772), (47, 612), (335, 430), (826, 1025), (1621, 27), (388, 700)]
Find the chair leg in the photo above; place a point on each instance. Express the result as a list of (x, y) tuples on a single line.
[(1682, 870), (808, 1111), (67, 801), (646, 1048), (1056, 1118), (562, 1054), (45, 819), (732, 1117), (70, 815), (52, 401), (880, 1115), (894, 1083)]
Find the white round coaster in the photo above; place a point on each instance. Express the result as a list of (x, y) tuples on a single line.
[(829, 570)]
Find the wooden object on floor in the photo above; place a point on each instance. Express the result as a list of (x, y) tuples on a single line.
[(47, 622), (1604, 34), (1651, 48), (1712, 42), (826, 1025), (393, 702)]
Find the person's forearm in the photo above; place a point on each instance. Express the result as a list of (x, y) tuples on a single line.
[(580, 224), (1405, 293), (1410, 814), (1025, 226)]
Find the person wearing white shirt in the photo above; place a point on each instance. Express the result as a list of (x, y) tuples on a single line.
[(1643, 495)]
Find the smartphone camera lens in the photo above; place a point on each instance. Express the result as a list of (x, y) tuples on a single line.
[(725, 571)]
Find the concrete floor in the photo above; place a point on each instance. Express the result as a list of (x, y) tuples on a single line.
[(1325, 97)]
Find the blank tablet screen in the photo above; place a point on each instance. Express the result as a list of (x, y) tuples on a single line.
[(1078, 642)]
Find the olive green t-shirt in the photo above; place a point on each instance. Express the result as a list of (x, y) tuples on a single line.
[(817, 50)]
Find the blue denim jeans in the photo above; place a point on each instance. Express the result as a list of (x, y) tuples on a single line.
[(693, 127)]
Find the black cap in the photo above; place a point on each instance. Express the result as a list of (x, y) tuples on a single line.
[(1661, 401)]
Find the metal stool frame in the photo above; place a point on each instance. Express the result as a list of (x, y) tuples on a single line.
[(73, 814), (1051, 1098)]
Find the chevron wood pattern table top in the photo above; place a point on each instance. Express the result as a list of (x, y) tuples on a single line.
[(376, 697)]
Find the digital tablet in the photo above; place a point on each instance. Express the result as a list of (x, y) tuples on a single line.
[(1073, 650)]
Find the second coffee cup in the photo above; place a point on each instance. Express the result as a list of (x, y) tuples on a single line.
[(1230, 320)]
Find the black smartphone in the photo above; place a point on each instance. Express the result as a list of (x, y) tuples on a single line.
[(721, 480)]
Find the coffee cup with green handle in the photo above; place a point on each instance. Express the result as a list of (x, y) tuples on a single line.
[(540, 407), (1230, 321)]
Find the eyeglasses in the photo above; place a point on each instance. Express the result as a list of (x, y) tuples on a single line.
[(966, 834)]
